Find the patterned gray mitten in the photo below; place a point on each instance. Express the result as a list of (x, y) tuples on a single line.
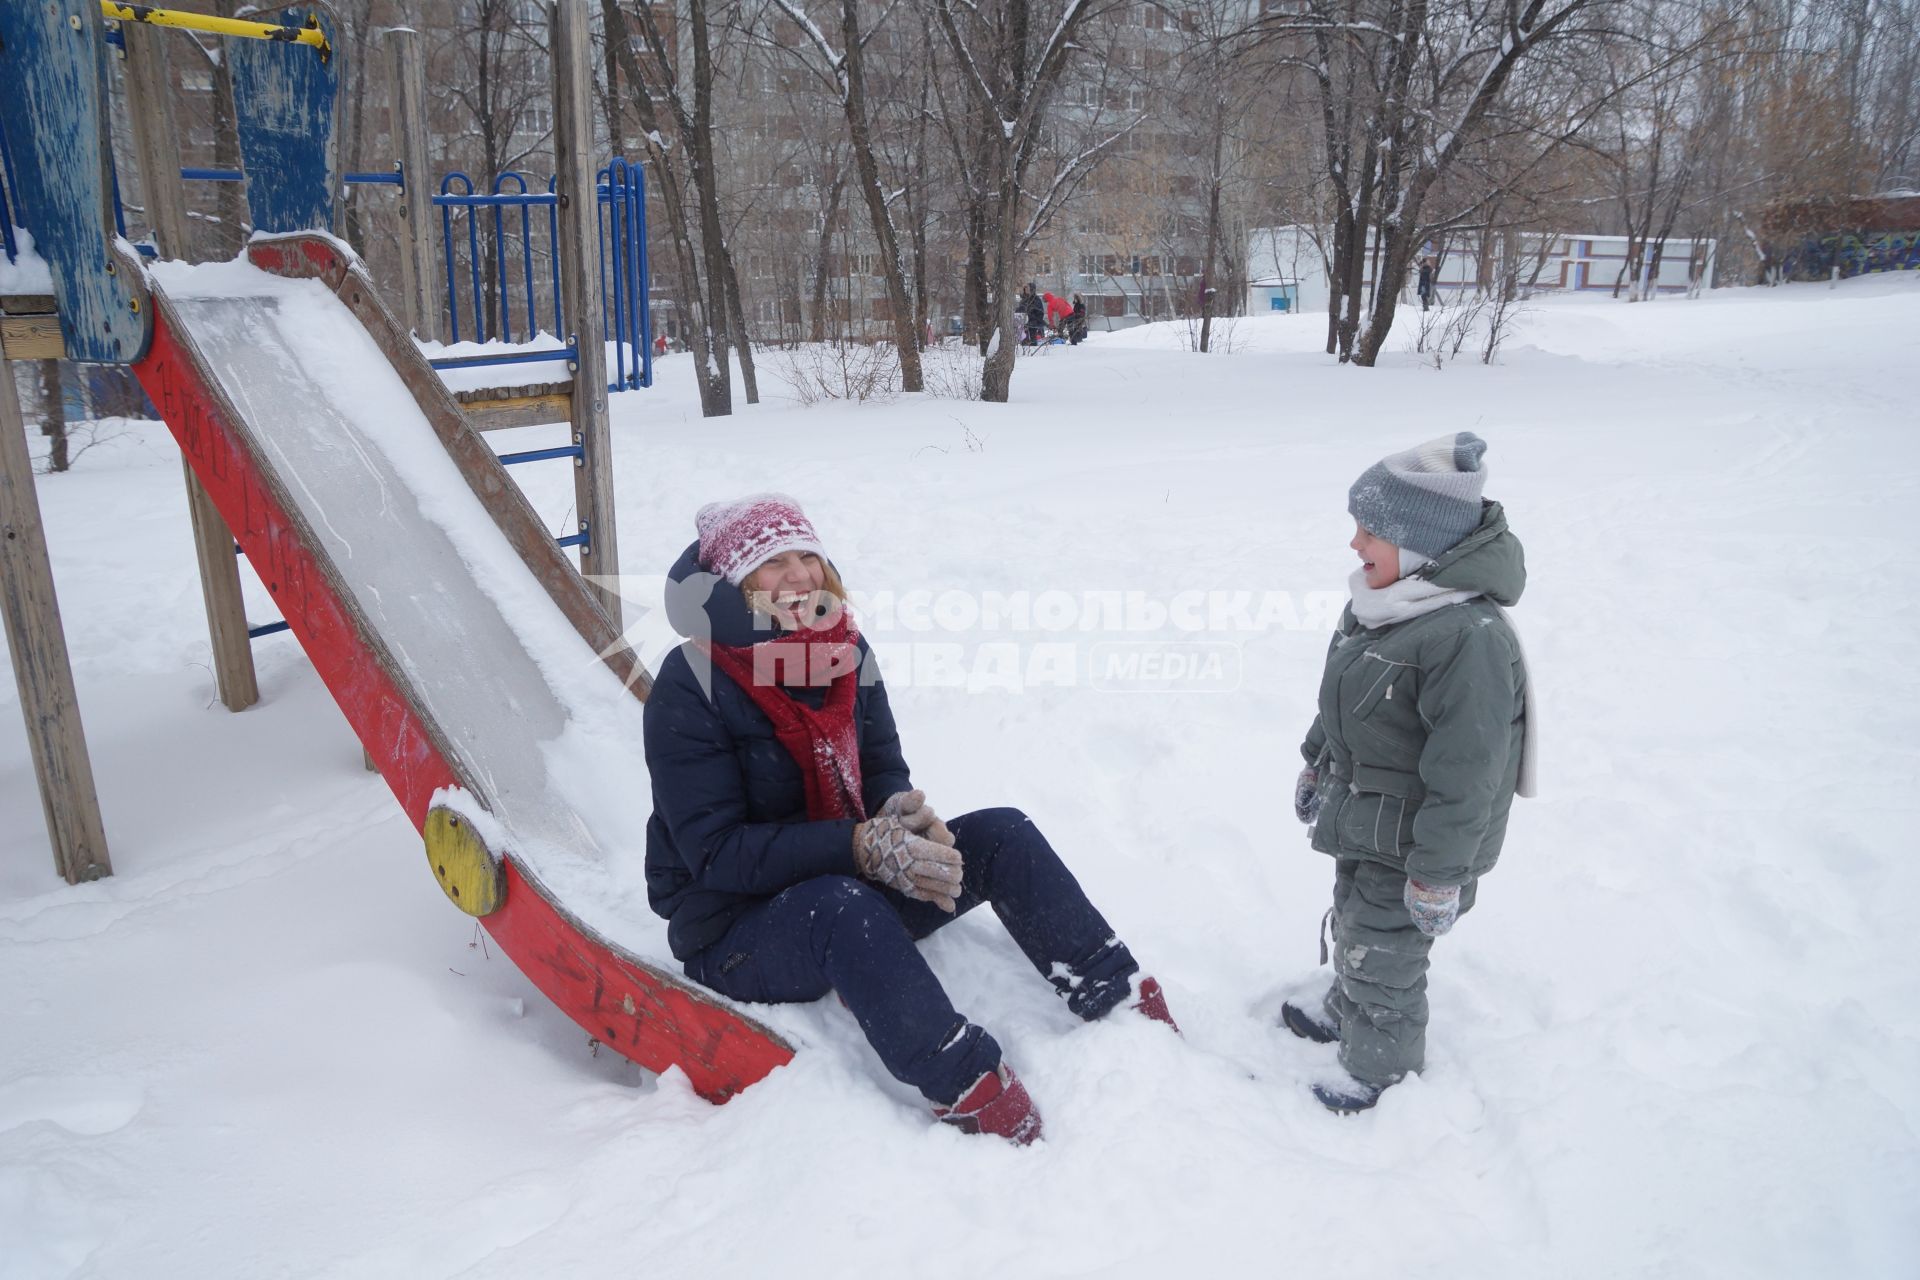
[(887, 852), (1433, 907), (1306, 795), (912, 809)]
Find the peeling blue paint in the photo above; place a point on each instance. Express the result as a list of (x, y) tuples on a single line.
[(52, 69), (283, 99)]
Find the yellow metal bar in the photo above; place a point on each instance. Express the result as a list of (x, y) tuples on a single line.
[(309, 34)]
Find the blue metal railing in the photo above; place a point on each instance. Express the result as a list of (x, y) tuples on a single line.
[(496, 293), (569, 354), (622, 224), (542, 455), (492, 316)]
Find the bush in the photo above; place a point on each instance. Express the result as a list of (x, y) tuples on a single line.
[(817, 371)]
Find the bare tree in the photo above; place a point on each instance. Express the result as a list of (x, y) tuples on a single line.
[(693, 121), (1407, 89), (1221, 117), (843, 67), (704, 295), (495, 83), (1010, 55)]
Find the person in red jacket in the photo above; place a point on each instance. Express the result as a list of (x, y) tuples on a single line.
[(1058, 309)]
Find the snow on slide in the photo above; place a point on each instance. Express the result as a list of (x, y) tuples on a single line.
[(543, 729), (488, 654)]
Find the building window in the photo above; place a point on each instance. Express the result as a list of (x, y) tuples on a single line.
[(535, 118)]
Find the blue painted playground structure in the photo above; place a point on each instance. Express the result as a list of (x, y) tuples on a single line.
[(500, 250), (498, 247)]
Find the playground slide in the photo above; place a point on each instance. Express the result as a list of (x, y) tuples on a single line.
[(486, 683)]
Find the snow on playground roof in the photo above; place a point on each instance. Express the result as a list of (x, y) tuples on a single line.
[(503, 376), (28, 272)]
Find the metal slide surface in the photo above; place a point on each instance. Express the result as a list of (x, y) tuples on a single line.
[(468, 670), (442, 644)]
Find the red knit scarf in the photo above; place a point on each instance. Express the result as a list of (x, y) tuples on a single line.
[(824, 743)]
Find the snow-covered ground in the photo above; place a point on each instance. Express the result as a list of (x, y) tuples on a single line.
[(1680, 1035)]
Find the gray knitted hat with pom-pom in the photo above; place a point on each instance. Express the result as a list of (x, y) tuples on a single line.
[(1425, 498)]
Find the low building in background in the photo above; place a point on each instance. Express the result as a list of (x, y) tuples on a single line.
[(1287, 266)]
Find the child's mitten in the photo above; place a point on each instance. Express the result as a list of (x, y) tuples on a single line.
[(1306, 794), (1434, 908)]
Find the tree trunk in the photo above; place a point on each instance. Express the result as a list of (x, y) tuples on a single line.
[(1213, 229), (716, 394), (53, 414), (1397, 250), (616, 134), (853, 91), (1335, 264), (706, 187), (741, 330), (1359, 243), (1003, 347), (817, 331), (917, 202), (979, 310)]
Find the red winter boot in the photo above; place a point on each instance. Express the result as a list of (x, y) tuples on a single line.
[(996, 1103), (1149, 1001)]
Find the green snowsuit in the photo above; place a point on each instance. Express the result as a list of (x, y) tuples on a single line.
[(1418, 747)]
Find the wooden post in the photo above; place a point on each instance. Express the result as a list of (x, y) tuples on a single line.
[(150, 111), (407, 121), (580, 294), (40, 664)]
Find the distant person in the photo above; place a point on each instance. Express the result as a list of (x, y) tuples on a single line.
[(1426, 285), (1424, 736), (1058, 309), (1077, 321), (790, 852), (660, 345), (1033, 311)]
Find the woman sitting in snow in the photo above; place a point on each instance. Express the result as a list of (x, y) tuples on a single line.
[(1423, 738), (791, 854)]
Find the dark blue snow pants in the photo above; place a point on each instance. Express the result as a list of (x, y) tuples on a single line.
[(835, 933)]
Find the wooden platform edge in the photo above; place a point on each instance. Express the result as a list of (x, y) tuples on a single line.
[(493, 412), (31, 337)]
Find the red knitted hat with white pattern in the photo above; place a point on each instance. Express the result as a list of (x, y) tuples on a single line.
[(738, 537)]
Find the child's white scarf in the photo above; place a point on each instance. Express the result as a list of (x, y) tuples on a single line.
[(1400, 600)]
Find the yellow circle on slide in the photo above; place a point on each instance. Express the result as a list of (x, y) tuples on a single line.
[(468, 872)]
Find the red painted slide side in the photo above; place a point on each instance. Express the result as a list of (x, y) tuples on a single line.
[(645, 1014)]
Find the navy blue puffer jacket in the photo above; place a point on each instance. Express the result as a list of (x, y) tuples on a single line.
[(729, 825)]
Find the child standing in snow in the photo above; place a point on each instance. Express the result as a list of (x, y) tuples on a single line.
[(1423, 737), (789, 851)]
